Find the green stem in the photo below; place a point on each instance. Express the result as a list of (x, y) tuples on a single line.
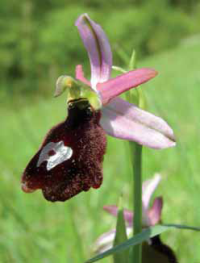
[(137, 198)]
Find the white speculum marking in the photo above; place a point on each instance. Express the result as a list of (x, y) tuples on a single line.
[(54, 154)]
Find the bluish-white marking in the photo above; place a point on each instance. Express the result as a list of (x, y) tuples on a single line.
[(62, 153)]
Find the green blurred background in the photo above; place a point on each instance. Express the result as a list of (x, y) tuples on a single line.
[(38, 43)]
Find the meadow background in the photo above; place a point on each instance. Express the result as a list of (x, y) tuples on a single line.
[(38, 43)]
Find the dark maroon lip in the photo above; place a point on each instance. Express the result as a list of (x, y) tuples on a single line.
[(26, 189), (81, 132)]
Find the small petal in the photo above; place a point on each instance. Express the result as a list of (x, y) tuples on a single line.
[(105, 241), (98, 49), (80, 75), (113, 210), (148, 188), (154, 213), (114, 87), (126, 121)]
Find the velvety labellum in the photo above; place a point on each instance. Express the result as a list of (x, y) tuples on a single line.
[(70, 158), (157, 252)]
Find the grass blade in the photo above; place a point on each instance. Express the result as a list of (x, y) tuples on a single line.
[(139, 238)]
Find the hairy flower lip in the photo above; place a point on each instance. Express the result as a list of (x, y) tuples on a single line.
[(26, 189)]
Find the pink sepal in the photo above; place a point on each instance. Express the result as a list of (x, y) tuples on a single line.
[(98, 49), (126, 121)]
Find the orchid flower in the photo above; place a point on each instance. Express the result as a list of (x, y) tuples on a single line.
[(154, 250), (119, 118), (70, 158), (150, 217)]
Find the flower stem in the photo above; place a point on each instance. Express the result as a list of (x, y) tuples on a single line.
[(137, 199)]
